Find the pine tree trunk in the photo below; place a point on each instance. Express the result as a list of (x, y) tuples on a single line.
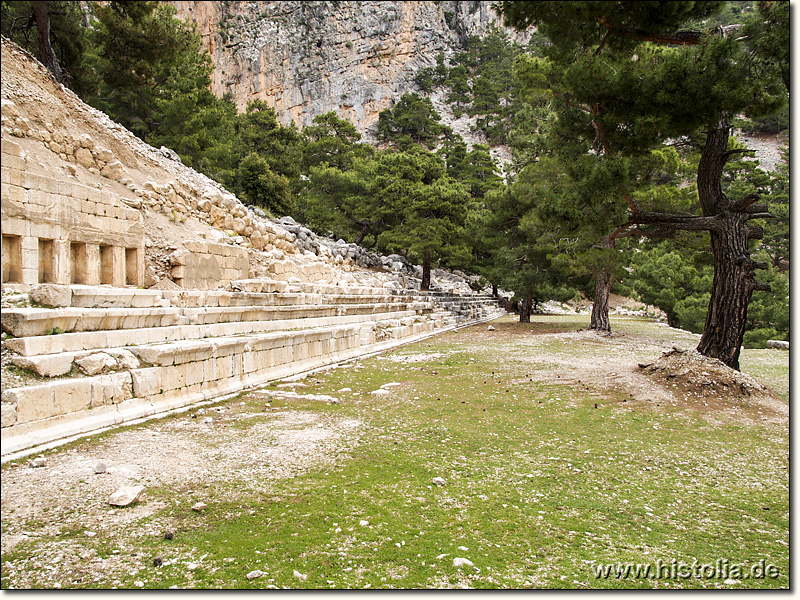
[(46, 52), (525, 308), (494, 290), (734, 270), (602, 291), (425, 285), (730, 293)]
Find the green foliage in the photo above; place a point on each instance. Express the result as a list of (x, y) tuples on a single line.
[(479, 82), (768, 312), (263, 187), (332, 141), (412, 120), (675, 279), (258, 131), (429, 207)]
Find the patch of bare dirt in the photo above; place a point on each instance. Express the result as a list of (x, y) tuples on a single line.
[(673, 379), (701, 381), (175, 460)]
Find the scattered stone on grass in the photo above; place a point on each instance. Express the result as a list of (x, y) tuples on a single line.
[(256, 574), (438, 481), (462, 562), (125, 496), (200, 506)]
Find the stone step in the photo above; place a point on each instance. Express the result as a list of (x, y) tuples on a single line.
[(98, 340), (26, 322), (180, 367), (90, 296)]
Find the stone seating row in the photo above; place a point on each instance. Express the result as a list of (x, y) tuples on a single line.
[(181, 371), (178, 374), (80, 342), (84, 296), (176, 356), (26, 322)]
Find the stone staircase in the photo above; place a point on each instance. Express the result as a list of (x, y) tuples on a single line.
[(115, 355)]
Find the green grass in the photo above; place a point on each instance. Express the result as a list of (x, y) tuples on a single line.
[(540, 486)]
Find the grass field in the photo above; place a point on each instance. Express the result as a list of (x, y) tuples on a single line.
[(547, 481)]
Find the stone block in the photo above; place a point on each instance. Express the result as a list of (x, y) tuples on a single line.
[(52, 295), (778, 344), (111, 389), (8, 414), (95, 363), (146, 382), (33, 403), (51, 365), (174, 377), (194, 373), (8, 146), (72, 395)]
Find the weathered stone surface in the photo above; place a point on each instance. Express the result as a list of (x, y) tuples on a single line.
[(51, 365), (8, 414), (95, 363), (124, 359), (83, 156), (114, 170), (125, 496), (362, 55), (52, 295)]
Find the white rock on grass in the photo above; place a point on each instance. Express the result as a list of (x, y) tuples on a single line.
[(380, 392), (38, 462), (126, 496), (254, 574), (299, 575), (462, 562), (391, 384), (363, 522), (200, 506), (438, 481)]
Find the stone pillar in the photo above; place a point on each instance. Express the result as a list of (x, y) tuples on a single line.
[(92, 264), (119, 267), (61, 261), (29, 247)]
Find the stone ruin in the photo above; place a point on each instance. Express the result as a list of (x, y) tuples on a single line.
[(133, 286)]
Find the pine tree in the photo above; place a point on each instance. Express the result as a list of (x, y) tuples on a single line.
[(629, 76)]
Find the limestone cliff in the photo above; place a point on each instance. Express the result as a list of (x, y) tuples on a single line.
[(308, 58)]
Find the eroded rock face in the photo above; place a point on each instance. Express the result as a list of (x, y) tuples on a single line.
[(308, 58)]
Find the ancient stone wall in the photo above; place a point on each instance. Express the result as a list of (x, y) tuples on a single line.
[(60, 231)]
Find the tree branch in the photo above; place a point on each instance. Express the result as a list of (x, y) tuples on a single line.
[(673, 221), (760, 286), (742, 204)]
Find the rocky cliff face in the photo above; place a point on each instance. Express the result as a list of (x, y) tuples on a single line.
[(308, 58)]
